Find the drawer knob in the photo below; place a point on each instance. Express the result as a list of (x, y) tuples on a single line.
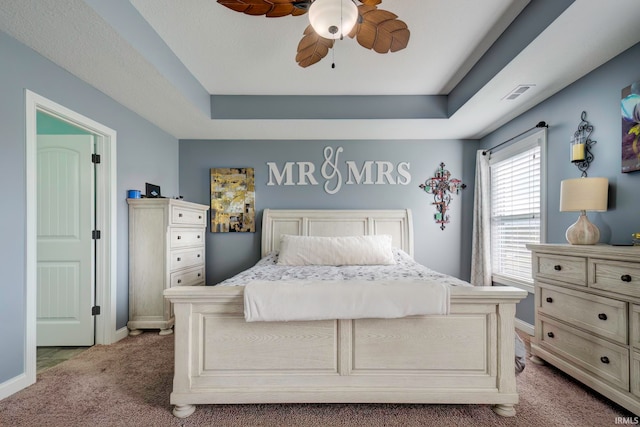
[(179, 259), (179, 281), (557, 267), (198, 236), (198, 255), (179, 237), (550, 334), (625, 278), (602, 316), (549, 299), (199, 274), (179, 215), (199, 216), (604, 359)]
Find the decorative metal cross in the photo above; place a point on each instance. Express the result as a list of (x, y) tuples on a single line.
[(441, 186)]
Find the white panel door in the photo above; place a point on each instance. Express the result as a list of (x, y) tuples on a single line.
[(65, 290)]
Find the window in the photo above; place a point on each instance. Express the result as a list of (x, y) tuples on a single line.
[(516, 209)]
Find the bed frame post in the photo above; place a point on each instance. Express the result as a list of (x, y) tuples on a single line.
[(506, 380), (182, 364)]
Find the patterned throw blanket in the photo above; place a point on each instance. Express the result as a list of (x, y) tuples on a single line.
[(406, 268)]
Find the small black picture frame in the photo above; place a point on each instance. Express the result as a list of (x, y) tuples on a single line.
[(152, 191)]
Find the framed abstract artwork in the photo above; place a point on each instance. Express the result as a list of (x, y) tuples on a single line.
[(630, 109), (232, 200)]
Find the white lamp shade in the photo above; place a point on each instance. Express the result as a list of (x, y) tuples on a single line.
[(332, 18), (584, 194)]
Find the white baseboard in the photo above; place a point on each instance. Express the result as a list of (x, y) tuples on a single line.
[(14, 385), (121, 334), (525, 327)]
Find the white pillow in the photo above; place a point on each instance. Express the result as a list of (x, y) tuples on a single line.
[(349, 250)]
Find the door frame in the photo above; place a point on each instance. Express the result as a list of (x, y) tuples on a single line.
[(106, 222)]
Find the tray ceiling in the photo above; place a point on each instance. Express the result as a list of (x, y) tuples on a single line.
[(169, 60)]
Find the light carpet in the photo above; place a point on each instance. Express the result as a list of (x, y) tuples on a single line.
[(128, 384)]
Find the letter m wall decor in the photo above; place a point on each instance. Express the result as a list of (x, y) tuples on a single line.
[(232, 200)]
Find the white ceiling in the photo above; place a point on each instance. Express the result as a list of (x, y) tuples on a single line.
[(222, 52), (233, 53)]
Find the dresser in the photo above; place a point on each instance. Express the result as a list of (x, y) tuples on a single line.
[(587, 316), (166, 249)]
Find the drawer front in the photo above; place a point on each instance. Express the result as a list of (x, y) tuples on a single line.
[(603, 359), (603, 316), (190, 277), (185, 237), (181, 215), (186, 258), (567, 269), (620, 277)]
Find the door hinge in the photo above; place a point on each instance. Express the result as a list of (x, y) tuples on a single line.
[(95, 158), (95, 310), (95, 234)]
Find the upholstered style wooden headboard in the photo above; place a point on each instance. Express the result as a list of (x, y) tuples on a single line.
[(326, 222)]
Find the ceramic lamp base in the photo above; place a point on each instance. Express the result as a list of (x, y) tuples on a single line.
[(583, 232)]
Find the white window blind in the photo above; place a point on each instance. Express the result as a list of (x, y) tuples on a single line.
[(515, 214)]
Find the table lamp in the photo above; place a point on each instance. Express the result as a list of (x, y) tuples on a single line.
[(582, 195)]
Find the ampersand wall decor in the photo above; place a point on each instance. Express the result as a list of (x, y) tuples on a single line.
[(442, 186)]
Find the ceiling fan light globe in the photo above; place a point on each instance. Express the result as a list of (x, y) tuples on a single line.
[(327, 15)]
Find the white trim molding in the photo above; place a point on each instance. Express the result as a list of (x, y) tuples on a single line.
[(525, 327), (14, 385)]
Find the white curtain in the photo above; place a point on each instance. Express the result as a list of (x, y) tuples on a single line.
[(481, 239)]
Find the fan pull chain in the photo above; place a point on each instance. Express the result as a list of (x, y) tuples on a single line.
[(341, 23), (333, 48)]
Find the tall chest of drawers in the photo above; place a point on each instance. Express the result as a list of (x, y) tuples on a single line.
[(588, 316), (166, 249)]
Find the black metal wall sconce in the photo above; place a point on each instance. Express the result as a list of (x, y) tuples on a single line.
[(581, 144)]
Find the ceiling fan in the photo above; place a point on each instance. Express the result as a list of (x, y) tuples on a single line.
[(330, 20)]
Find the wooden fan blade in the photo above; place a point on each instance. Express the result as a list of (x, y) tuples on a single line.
[(362, 9), (312, 48), (381, 30), (268, 8), (371, 2)]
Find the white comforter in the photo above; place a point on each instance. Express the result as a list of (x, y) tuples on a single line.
[(343, 299), (344, 292), (405, 268)]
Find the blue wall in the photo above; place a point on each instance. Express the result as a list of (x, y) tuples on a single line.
[(598, 93), (144, 153), (446, 250)]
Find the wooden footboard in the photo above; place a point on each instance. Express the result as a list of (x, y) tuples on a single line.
[(464, 357)]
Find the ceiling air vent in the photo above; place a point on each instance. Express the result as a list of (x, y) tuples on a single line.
[(519, 90)]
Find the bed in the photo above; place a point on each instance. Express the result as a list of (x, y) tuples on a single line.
[(463, 357)]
